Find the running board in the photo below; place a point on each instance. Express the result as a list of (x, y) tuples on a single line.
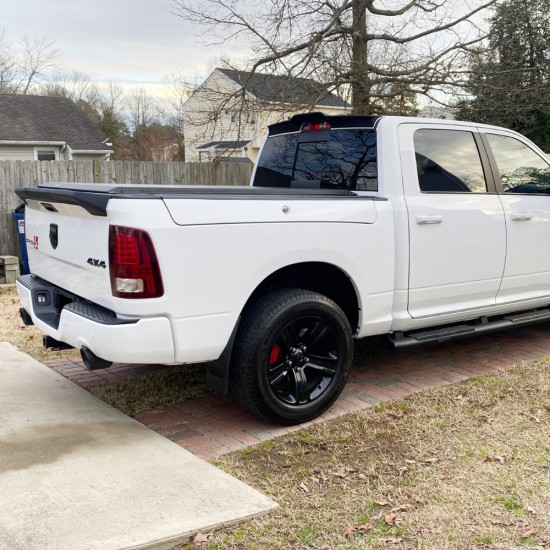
[(482, 325)]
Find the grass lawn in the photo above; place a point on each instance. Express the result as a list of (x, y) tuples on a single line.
[(464, 466)]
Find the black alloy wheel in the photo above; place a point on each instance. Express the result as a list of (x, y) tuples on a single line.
[(293, 355), (303, 361)]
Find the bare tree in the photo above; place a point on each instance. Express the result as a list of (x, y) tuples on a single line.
[(141, 114), (140, 109), (24, 67), (74, 84), (38, 57), (180, 88), (8, 63), (363, 48)]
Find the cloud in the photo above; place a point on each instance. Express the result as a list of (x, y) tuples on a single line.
[(121, 40)]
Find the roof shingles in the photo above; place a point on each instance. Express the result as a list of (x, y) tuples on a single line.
[(285, 89), (41, 118)]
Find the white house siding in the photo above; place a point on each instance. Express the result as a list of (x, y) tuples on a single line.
[(208, 119), (9, 152), (251, 122)]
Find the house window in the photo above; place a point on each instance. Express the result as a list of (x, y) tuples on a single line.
[(46, 154)]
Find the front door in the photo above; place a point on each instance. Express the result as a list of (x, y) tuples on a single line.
[(457, 233), (524, 175)]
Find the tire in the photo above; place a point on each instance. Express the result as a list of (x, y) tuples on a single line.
[(292, 357)]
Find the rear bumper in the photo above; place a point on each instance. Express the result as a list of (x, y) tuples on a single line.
[(80, 323)]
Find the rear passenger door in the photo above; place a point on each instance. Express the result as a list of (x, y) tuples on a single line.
[(457, 234), (523, 177)]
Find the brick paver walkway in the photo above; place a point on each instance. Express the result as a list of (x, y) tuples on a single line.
[(214, 425)]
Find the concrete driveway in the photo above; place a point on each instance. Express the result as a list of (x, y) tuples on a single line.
[(77, 474)]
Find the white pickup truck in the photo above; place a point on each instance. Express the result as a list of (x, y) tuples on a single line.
[(425, 230)]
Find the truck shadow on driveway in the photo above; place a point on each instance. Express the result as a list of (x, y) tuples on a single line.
[(214, 425)]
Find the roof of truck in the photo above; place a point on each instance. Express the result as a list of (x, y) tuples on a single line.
[(296, 123)]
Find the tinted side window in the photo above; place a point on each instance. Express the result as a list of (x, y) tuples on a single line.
[(448, 161), (335, 159), (521, 169), (276, 161)]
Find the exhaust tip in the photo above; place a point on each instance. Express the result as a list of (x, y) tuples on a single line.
[(92, 361)]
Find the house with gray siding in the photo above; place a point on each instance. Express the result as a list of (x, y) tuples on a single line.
[(48, 128)]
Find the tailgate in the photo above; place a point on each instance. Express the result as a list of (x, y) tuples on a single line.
[(69, 247)]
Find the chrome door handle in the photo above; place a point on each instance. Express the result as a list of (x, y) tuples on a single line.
[(521, 216), (425, 220)]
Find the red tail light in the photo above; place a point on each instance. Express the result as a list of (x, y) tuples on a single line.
[(133, 263)]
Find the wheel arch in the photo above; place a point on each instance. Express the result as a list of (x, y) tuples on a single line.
[(321, 277)]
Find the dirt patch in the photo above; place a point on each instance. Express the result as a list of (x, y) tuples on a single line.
[(155, 390), (27, 339), (465, 466)]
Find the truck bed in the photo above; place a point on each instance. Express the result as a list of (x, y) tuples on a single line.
[(94, 197)]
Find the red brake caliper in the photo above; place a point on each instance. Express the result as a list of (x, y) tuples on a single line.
[(274, 355)]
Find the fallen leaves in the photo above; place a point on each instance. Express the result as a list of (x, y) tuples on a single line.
[(319, 477), (425, 461), (498, 458), (349, 532), (502, 522), (393, 518), (528, 533), (203, 538), (527, 530), (392, 540), (342, 473)]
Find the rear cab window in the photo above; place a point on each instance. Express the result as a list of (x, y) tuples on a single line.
[(343, 158)]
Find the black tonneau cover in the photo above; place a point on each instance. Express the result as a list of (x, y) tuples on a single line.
[(94, 197)]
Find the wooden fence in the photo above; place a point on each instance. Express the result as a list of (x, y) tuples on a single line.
[(30, 173)]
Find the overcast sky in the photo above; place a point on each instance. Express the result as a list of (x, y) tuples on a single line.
[(136, 41)]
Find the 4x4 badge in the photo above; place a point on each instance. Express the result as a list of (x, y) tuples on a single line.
[(96, 263)]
